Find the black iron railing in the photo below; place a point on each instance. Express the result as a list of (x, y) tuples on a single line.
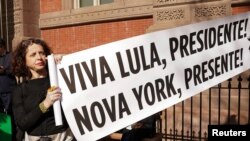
[(225, 103)]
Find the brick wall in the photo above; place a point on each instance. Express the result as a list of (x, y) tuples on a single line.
[(50, 6), (76, 38), (240, 9)]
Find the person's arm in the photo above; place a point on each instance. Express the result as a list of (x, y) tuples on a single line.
[(6, 67), (27, 120), (23, 120), (115, 136)]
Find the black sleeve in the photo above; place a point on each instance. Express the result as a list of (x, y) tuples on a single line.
[(24, 120)]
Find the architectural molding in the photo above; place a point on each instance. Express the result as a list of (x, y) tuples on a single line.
[(115, 11), (240, 2), (158, 3), (167, 15), (210, 11)]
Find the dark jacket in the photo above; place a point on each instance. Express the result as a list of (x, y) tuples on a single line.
[(7, 80), (28, 116), (145, 128)]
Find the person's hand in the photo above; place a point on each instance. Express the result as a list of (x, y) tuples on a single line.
[(58, 58), (1, 69), (53, 94), (115, 136)]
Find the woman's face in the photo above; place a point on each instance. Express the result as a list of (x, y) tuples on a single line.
[(35, 58)]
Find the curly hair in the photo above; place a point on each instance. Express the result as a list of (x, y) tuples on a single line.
[(19, 62)]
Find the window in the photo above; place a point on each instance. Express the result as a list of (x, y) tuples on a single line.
[(85, 3)]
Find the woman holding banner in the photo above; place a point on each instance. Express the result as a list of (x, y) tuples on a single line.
[(33, 99)]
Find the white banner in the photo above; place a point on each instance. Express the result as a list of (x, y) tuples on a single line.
[(111, 86)]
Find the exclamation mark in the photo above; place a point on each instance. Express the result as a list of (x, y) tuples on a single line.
[(246, 21), (241, 56)]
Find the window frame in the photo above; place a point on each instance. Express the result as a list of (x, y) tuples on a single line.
[(95, 3)]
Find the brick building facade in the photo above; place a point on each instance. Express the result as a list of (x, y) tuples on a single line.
[(68, 29)]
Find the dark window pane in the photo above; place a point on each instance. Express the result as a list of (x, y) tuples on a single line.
[(106, 1), (84, 3)]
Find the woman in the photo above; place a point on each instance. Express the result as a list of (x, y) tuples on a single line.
[(31, 100)]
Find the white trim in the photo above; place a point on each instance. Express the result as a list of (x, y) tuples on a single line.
[(76, 4), (96, 2)]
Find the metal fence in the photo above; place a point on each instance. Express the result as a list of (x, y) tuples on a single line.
[(225, 103)]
